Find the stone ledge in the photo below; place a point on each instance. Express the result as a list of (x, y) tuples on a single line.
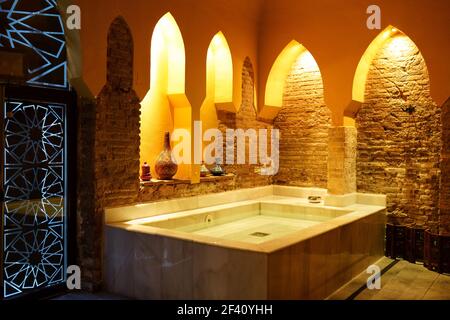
[(155, 182), (212, 178)]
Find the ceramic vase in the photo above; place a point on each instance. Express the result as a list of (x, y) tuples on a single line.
[(165, 165)]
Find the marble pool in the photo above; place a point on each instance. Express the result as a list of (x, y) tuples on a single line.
[(269, 244)]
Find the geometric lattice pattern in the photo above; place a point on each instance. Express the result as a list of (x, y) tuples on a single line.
[(36, 27), (34, 224)]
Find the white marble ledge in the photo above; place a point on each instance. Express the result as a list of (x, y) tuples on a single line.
[(360, 212), (354, 213), (286, 194)]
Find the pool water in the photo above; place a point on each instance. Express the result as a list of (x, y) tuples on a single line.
[(256, 229)]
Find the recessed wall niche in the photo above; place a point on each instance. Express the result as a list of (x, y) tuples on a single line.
[(303, 121), (399, 132), (165, 106), (219, 82)]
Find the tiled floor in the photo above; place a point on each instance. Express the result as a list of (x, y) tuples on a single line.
[(89, 296), (403, 281)]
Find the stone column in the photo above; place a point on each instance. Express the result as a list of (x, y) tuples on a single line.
[(342, 160)]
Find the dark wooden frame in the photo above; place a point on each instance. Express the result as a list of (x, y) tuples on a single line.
[(69, 98)]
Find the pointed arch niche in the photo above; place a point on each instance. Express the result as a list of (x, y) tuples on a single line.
[(165, 106), (294, 97), (219, 81), (395, 45), (274, 91), (399, 128)]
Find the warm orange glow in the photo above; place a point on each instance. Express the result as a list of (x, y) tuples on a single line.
[(273, 99), (306, 60), (279, 72), (219, 82), (349, 122), (399, 46), (165, 107), (359, 80), (219, 70), (395, 45), (168, 57)]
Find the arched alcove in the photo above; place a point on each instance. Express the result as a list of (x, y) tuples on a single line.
[(273, 95), (396, 44), (219, 81), (399, 128), (219, 66), (165, 106), (303, 121)]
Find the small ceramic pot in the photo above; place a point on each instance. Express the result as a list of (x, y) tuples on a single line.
[(146, 173)]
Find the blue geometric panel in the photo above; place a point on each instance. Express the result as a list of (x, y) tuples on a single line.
[(35, 26), (33, 179)]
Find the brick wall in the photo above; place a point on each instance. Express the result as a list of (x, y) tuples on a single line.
[(185, 189), (444, 219), (89, 219), (118, 121), (342, 160), (108, 151), (246, 118), (397, 152), (303, 121)]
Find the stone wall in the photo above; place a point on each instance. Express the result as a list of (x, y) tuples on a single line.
[(397, 151), (444, 218), (118, 121), (342, 160), (247, 175), (89, 219), (108, 152), (303, 121), (182, 189)]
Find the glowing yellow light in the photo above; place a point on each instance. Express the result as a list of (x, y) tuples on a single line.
[(165, 106), (168, 57), (359, 80), (399, 46), (307, 62), (219, 70), (281, 68)]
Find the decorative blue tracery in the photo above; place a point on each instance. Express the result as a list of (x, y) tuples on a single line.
[(33, 180), (36, 27)]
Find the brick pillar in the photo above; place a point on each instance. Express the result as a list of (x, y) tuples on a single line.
[(342, 160), (444, 205)]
